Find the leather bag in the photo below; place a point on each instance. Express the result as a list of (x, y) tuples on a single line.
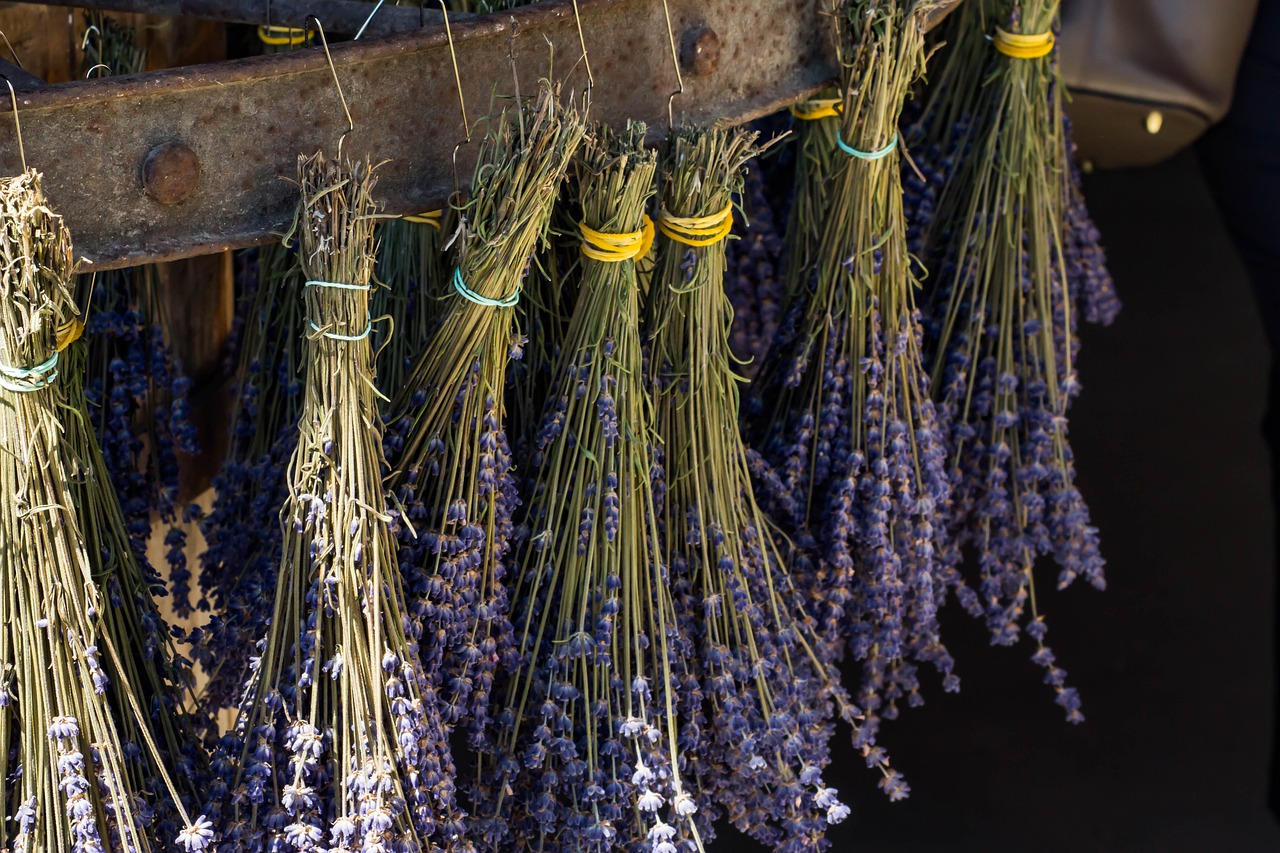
[(1147, 77)]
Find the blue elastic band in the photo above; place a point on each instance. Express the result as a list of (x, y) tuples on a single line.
[(40, 376), (315, 282), (336, 337), (461, 286), (866, 155)]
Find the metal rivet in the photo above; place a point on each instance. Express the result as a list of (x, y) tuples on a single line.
[(170, 172), (700, 51), (1155, 121)]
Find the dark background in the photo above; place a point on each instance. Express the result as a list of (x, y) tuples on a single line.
[(1174, 660)]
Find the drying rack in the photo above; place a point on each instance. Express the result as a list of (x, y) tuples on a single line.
[(188, 162)]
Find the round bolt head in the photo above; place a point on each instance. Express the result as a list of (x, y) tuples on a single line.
[(700, 51), (170, 172)]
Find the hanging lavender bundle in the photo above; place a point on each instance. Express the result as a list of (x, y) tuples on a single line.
[(842, 411), (136, 386), (770, 697), (72, 731), (147, 682), (586, 755), (451, 462), (336, 744), (1005, 366), (936, 125), (945, 133), (238, 567), (817, 160)]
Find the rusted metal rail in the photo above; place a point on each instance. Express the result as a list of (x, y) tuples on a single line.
[(172, 164), (338, 16), (177, 163)]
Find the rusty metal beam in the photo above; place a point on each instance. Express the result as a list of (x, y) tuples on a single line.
[(337, 16), (219, 142)]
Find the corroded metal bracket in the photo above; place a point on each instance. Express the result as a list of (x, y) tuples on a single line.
[(172, 164)]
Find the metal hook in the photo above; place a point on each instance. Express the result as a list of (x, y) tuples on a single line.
[(84, 42), (95, 68), (586, 61), (17, 125), (675, 61), (515, 76), (360, 31), (457, 78), (12, 52), (351, 125), (462, 101)]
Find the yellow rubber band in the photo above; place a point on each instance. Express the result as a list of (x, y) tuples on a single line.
[(613, 248), (1020, 46), (431, 217), (697, 230), (816, 109), (68, 333), (283, 36)]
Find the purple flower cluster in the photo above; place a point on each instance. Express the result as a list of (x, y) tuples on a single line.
[(145, 420), (1089, 281), (1007, 380), (238, 567), (754, 284), (456, 501), (580, 750), (852, 453)]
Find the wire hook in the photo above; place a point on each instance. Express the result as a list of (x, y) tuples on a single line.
[(363, 26), (675, 61), (17, 125), (12, 52), (457, 77), (462, 101), (351, 125), (586, 60), (84, 42)]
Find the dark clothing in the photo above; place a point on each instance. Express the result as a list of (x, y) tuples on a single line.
[(1241, 162)]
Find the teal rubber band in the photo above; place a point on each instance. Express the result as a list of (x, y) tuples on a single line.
[(315, 282), (40, 376), (461, 286), (333, 336), (867, 155)]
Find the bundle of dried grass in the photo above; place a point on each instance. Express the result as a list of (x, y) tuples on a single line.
[(69, 739), (336, 742)]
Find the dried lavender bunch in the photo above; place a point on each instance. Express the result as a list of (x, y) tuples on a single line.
[(842, 411), (136, 386), (765, 700), (411, 265), (238, 567), (586, 755), (69, 776), (943, 133), (336, 743), (452, 467), (156, 680), (1005, 365), (818, 159)]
